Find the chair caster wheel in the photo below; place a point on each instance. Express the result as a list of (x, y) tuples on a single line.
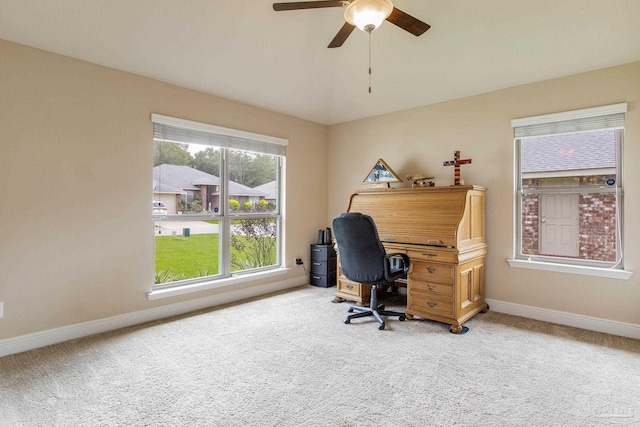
[(350, 310), (347, 321), (403, 318), (381, 327)]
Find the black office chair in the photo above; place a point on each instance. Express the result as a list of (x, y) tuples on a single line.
[(363, 259)]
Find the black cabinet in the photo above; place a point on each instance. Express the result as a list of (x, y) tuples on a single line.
[(323, 266)]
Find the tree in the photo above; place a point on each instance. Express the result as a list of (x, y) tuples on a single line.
[(260, 170), (171, 153), (246, 168), (239, 165), (251, 169), (207, 160)]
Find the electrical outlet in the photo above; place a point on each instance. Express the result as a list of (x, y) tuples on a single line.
[(1, 310), (298, 261)]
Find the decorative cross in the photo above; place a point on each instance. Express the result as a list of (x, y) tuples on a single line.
[(456, 162)]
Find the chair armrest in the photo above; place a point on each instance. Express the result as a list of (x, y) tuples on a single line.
[(391, 275)]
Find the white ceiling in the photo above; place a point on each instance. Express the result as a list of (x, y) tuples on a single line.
[(243, 50)]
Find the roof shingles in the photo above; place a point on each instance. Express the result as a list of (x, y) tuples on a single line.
[(177, 179), (583, 150)]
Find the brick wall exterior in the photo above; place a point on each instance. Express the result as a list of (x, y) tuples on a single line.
[(597, 227), (530, 225), (596, 222)]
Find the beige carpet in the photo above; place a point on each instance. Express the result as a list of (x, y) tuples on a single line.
[(288, 360)]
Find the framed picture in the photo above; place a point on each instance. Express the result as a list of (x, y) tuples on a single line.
[(381, 174)]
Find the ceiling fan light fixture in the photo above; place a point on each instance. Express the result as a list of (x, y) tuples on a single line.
[(367, 15)]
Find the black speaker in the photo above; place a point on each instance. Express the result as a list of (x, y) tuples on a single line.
[(327, 237)]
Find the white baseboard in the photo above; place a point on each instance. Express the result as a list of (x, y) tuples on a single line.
[(65, 333), (597, 324)]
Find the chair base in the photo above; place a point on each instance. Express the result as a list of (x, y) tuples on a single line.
[(375, 310)]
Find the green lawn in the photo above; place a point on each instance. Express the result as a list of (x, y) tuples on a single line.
[(179, 258), (187, 257)]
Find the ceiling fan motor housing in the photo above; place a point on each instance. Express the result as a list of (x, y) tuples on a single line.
[(368, 15)]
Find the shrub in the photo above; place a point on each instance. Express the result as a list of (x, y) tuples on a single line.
[(234, 205), (253, 243), (262, 205), (248, 206), (196, 205)]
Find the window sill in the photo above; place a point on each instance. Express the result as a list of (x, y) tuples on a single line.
[(571, 269), (214, 284)]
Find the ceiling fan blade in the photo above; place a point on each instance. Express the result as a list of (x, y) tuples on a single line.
[(306, 5), (342, 35), (408, 22)]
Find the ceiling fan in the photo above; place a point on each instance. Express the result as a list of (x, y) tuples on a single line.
[(367, 15)]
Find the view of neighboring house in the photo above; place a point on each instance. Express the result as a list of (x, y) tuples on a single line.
[(178, 186), (556, 223), (270, 189)]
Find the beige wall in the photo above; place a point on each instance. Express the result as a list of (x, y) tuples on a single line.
[(419, 140), (75, 172), (76, 239)]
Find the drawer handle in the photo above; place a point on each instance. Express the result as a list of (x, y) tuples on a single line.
[(315, 277), (431, 286), (316, 263), (432, 303), (430, 255), (316, 250), (349, 286), (431, 269)]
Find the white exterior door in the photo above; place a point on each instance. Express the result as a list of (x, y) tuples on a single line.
[(559, 225)]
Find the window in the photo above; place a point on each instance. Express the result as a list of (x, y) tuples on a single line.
[(569, 187), (216, 202)]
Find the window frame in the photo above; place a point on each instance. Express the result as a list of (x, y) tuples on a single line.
[(225, 139), (559, 123)]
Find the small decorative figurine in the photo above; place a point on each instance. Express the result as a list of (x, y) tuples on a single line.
[(421, 180), (456, 162)]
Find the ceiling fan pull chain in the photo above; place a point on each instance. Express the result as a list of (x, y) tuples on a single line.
[(369, 61)]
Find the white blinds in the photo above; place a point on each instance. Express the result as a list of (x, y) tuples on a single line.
[(172, 129), (607, 117)]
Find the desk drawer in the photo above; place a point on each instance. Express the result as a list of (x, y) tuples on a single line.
[(431, 288), (430, 303), (432, 272), (346, 286), (431, 255)]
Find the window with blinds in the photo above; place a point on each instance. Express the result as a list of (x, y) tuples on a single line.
[(569, 187), (216, 201)]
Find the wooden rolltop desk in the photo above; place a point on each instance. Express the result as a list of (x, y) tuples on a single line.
[(442, 229)]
